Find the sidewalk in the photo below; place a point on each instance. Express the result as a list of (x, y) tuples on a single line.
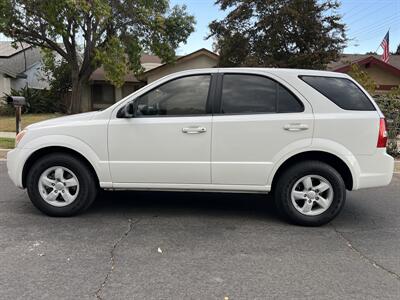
[(5, 134)]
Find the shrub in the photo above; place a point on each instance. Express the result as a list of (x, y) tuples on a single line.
[(5, 109), (37, 101), (388, 103), (390, 106)]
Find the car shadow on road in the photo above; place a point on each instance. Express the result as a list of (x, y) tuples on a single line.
[(257, 206)]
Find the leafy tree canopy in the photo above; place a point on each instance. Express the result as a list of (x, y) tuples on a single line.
[(362, 78), (90, 33), (279, 33)]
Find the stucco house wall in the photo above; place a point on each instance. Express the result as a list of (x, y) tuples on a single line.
[(5, 84), (381, 76), (35, 78)]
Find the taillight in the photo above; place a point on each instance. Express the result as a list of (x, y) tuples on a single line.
[(383, 135)]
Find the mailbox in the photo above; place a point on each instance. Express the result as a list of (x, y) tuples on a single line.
[(16, 101)]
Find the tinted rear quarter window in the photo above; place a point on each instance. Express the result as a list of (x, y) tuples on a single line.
[(341, 91)]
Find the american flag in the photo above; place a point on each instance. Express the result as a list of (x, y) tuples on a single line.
[(385, 46)]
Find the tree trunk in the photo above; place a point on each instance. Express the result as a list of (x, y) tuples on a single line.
[(79, 77), (76, 95)]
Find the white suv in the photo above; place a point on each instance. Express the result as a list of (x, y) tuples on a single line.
[(307, 136)]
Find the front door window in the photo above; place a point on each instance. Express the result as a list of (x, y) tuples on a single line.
[(182, 96)]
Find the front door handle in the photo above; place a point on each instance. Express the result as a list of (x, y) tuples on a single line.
[(193, 130), (295, 127)]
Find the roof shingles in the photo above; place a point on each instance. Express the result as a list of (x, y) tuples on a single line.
[(7, 50)]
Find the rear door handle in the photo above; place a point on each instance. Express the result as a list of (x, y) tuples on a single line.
[(194, 130), (295, 127)]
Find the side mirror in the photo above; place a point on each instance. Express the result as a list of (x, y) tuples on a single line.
[(128, 111)]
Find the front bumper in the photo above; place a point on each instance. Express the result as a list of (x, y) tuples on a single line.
[(16, 159)]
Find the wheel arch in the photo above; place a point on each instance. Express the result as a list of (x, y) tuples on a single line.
[(331, 159), (55, 149)]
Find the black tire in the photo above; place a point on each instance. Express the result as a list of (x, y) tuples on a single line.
[(88, 186), (284, 185)]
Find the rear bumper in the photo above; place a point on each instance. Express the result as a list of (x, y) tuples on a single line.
[(374, 170)]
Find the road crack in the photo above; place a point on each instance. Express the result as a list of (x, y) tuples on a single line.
[(369, 260), (112, 257)]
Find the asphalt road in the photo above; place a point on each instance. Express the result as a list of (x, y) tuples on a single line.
[(141, 245)]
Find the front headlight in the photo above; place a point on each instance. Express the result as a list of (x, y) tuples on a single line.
[(19, 137)]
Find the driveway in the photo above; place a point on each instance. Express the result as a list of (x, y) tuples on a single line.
[(152, 245)]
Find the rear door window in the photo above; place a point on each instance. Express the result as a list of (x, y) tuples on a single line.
[(341, 91), (253, 94)]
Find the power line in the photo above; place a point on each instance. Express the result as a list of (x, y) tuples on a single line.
[(375, 26), (368, 14), (380, 34)]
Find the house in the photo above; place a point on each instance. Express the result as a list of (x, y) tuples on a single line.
[(199, 59), (20, 67), (385, 75), (99, 93)]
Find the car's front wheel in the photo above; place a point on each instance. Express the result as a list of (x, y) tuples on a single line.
[(310, 193), (61, 185)]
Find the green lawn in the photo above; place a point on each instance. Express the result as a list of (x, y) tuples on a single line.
[(7, 123), (7, 143)]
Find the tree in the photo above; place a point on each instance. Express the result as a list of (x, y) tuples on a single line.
[(397, 50), (57, 72), (90, 33), (362, 78), (278, 33)]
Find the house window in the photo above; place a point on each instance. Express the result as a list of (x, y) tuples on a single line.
[(129, 88), (103, 95)]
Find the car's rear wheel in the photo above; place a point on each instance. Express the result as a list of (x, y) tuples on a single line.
[(310, 193), (61, 185)]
